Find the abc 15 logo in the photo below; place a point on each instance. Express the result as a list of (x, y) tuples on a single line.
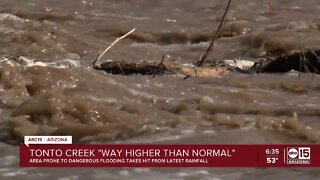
[(301, 153)]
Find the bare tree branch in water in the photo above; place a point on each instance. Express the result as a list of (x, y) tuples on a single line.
[(159, 66), (215, 37), (112, 44)]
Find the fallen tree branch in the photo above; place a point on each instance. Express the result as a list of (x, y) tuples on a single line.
[(130, 68)]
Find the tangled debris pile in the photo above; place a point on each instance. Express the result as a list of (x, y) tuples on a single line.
[(307, 61)]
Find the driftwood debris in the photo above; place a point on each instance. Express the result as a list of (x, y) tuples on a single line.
[(308, 61), (166, 67)]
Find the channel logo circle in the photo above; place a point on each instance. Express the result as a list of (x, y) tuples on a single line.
[(293, 153)]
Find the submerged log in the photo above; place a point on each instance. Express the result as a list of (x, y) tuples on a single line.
[(167, 67), (308, 61), (129, 68)]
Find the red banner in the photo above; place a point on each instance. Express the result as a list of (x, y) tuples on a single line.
[(170, 156)]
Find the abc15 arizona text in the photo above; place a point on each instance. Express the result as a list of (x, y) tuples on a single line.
[(298, 155)]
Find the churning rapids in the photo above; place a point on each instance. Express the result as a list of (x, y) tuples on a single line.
[(96, 107)]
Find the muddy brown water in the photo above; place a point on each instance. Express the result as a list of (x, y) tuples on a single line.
[(96, 107)]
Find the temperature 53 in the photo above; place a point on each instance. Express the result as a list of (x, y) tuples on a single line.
[(272, 160)]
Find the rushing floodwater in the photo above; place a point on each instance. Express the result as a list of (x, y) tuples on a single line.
[(95, 107)]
